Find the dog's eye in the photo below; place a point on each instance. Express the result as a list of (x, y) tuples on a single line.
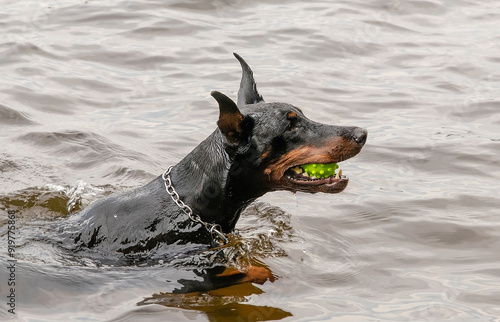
[(292, 126), (293, 119)]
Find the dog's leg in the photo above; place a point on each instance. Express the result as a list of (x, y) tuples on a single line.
[(221, 276), (253, 274)]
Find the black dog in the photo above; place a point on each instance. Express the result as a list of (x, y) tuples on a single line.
[(257, 147)]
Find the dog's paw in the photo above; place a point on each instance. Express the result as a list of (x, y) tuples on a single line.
[(259, 275)]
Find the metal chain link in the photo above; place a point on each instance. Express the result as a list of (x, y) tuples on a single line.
[(213, 229)]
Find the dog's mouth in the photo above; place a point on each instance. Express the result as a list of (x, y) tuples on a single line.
[(316, 177), (311, 168)]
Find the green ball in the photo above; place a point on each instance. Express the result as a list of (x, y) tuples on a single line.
[(320, 170)]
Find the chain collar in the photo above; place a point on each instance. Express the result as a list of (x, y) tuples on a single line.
[(214, 229)]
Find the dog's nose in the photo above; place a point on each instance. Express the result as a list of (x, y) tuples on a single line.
[(359, 135)]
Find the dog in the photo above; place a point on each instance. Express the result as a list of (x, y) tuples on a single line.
[(257, 147)]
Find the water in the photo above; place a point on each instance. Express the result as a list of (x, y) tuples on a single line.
[(100, 97)]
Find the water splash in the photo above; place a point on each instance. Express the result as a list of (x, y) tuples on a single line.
[(80, 195)]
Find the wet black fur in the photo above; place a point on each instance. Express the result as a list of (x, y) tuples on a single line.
[(218, 179)]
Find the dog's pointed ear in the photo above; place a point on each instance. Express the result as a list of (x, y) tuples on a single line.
[(248, 93), (230, 120)]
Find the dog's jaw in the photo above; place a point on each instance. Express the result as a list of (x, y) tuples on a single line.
[(281, 173)]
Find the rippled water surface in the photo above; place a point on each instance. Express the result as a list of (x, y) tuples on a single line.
[(98, 97)]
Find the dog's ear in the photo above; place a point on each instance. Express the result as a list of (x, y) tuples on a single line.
[(231, 122), (248, 93)]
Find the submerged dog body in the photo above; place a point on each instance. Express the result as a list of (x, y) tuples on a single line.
[(257, 147)]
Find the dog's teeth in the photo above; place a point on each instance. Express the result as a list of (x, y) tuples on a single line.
[(314, 177), (339, 174), (297, 170), (305, 174)]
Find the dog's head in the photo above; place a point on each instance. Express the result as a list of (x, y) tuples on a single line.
[(278, 147)]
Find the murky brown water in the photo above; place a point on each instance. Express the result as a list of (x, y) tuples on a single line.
[(99, 97)]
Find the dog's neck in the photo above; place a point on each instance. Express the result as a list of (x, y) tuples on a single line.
[(207, 181)]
